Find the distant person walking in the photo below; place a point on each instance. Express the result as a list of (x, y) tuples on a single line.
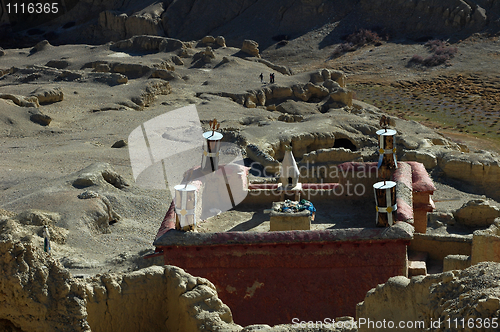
[(261, 77), (271, 78)]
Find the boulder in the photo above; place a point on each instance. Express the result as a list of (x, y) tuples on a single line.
[(100, 174), (21, 100), (250, 47), (2, 52), (343, 96), (324, 75), (339, 77), (297, 108), (171, 44), (177, 60), (209, 54), (167, 65), (300, 93), (69, 76), (251, 101), (316, 77), (285, 117), (110, 79), (280, 92), (131, 70), (153, 88), (280, 69), (48, 95), (101, 68), (59, 64), (119, 144), (41, 119), (261, 98), (206, 56), (163, 74), (438, 219), (35, 217), (318, 91), (331, 85), (477, 213), (221, 41), (40, 46), (425, 157), (208, 40)]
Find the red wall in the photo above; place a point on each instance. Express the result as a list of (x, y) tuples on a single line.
[(274, 283)]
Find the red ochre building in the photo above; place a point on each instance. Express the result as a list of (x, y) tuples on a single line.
[(273, 277)]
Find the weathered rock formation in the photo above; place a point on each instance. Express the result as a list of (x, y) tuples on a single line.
[(486, 245), (48, 95), (480, 170), (104, 21), (477, 213), (439, 298), (40, 295), (250, 47)]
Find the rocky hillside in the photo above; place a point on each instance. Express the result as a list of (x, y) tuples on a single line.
[(267, 22)]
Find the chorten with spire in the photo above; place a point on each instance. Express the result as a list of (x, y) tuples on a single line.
[(289, 175)]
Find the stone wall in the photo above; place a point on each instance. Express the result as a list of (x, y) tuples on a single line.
[(39, 295), (440, 246), (486, 245)]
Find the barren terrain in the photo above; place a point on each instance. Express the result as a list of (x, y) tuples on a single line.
[(40, 162), (75, 85)]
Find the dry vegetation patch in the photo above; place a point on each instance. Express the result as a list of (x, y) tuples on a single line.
[(441, 52)]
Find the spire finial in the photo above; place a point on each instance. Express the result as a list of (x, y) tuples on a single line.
[(214, 125)]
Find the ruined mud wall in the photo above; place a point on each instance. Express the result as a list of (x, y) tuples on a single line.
[(37, 294), (470, 293)]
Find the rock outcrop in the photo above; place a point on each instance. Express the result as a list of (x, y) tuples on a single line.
[(479, 170), (116, 25), (40, 295), (477, 213), (470, 293), (486, 245), (21, 100), (145, 43), (48, 95), (106, 21), (153, 88), (250, 47)]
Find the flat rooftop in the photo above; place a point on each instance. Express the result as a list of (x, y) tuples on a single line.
[(336, 214)]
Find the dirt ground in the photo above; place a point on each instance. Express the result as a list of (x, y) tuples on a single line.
[(92, 118)]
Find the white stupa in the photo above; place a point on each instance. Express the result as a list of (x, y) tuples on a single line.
[(289, 173)]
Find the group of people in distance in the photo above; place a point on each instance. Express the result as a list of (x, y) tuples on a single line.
[(271, 77)]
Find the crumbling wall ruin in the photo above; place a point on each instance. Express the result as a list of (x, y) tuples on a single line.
[(468, 294), (37, 294)]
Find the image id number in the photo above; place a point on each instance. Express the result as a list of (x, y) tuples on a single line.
[(33, 8), (472, 323)]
